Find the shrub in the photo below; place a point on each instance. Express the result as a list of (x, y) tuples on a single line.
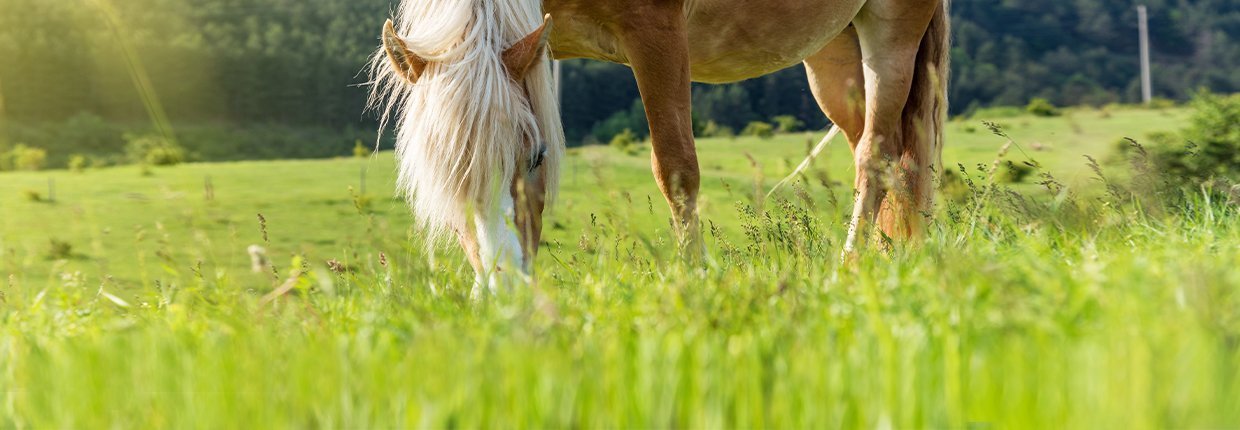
[(1209, 148), (1013, 173), (1042, 107), (787, 124), (153, 150), (77, 163), (359, 150), (168, 155), (714, 129), (759, 129), (625, 141), (32, 195), (59, 249), (1161, 103), (23, 157)]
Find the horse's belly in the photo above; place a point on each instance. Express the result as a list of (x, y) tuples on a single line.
[(733, 40)]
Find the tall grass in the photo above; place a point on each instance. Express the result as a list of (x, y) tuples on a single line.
[(1030, 308)]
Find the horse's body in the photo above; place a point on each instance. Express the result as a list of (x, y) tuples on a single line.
[(729, 40), (877, 67)]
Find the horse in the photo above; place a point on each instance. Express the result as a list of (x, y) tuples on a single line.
[(479, 139)]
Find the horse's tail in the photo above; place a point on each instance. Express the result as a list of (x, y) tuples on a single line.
[(924, 114)]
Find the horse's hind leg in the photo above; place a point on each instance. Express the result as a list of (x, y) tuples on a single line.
[(890, 34), (837, 81)]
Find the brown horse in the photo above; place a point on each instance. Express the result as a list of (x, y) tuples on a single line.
[(480, 142)]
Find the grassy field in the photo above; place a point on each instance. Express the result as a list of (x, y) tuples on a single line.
[(128, 300)]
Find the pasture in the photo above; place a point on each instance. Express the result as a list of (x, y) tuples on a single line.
[(128, 299)]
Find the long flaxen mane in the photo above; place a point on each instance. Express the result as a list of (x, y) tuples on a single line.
[(461, 127)]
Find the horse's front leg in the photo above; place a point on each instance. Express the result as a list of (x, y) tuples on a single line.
[(655, 40)]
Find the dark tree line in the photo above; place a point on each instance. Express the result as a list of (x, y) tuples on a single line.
[(271, 78)]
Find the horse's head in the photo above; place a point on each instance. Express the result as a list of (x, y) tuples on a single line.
[(478, 134)]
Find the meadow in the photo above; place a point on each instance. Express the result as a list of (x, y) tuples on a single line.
[(128, 299)]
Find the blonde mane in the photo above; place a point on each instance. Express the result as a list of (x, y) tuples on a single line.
[(461, 127)]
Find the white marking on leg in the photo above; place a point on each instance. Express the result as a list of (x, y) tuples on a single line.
[(850, 245)]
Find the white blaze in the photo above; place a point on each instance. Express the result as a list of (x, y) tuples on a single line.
[(499, 247)]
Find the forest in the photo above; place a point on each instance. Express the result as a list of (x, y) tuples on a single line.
[(258, 79)]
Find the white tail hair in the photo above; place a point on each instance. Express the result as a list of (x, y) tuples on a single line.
[(461, 127)]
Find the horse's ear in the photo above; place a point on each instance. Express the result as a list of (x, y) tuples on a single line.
[(408, 64), (526, 52)]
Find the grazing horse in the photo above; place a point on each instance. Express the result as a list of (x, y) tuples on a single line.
[(479, 141)]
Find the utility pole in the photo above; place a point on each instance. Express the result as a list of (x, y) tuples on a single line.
[(1147, 91), (559, 84), (4, 132)]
